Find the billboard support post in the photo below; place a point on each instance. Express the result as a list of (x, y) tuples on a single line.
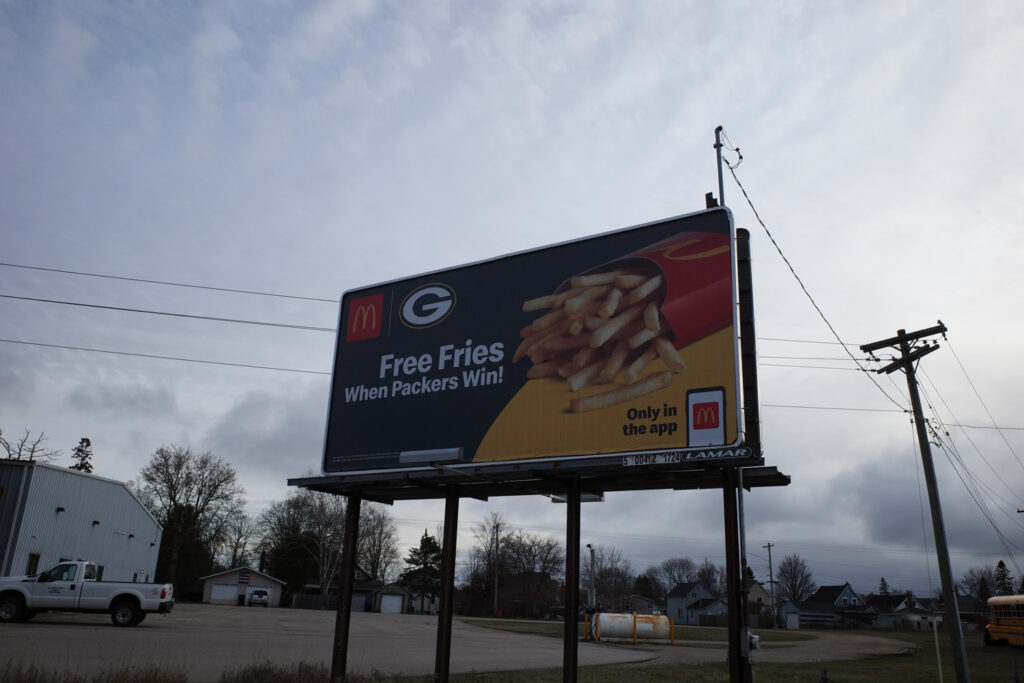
[(339, 660), (739, 659), (444, 616), (572, 581)]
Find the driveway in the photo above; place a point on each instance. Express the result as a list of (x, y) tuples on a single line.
[(205, 640)]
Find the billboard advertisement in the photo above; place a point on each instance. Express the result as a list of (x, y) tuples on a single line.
[(622, 343)]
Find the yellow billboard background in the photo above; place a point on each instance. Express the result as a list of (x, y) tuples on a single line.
[(537, 423)]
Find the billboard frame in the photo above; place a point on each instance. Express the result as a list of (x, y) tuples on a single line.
[(440, 460)]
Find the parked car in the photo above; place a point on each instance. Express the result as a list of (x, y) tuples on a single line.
[(259, 598)]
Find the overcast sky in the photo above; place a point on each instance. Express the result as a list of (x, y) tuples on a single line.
[(311, 148)]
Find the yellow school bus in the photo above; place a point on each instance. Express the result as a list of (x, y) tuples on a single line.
[(1006, 623)]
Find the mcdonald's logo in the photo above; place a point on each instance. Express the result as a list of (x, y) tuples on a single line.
[(365, 317), (705, 415)]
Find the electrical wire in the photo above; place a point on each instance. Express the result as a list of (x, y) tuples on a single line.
[(175, 358), (810, 298), (167, 283), (980, 400), (167, 313), (920, 500), (968, 437)]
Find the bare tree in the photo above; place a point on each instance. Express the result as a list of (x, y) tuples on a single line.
[(193, 497), (239, 533), (712, 576), (377, 549), (978, 582), (794, 579), (312, 524), (27, 448), (613, 573)]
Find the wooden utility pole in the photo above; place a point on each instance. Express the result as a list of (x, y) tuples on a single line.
[(771, 579), (903, 342)]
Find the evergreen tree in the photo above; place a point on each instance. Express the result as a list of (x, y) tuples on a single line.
[(82, 455), (1003, 579), (1020, 588), (984, 592), (423, 573), (883, 587)]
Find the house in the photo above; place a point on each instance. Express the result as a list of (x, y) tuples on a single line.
[(687, 602), (393, 598), (364, 587), (900, 610), (235, 586), (636, 604), (828, 607), (49, 514)]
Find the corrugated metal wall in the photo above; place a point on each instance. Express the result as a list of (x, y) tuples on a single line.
[(77, 516), (13, 479)]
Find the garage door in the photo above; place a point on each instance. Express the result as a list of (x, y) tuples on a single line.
[(222, 591), (792, 620), (391, 604)]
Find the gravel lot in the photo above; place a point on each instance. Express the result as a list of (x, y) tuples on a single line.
[(205, 640)]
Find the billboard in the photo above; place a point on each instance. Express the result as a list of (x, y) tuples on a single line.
[(622, 343)]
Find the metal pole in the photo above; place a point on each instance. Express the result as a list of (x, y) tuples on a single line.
[(572, 581), (739, 662), (744, 618), (339, 660), (442, 658), (592, 593), (963, 674), (718, 150)]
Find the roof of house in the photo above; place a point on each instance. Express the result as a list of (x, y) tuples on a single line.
[(885, 604), (251, 570), (703, 604), (683, 589), (827, 594)]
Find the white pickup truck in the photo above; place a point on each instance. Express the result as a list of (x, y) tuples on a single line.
[(72, 587)]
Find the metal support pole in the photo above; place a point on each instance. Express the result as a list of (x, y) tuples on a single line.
[(442, 658), (718, 150), (963, 674), (748, 343), (739, 662), (339, 660), (572, 581)]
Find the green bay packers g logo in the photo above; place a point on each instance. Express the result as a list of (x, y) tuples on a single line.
[(427, 305)]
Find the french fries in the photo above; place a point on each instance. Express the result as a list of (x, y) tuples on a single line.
[(605, 329)]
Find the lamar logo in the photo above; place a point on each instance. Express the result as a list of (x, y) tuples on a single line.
[(427, 305), (365, 316), (705, 415)]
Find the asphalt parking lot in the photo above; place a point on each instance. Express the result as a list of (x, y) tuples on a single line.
[(205, 640)]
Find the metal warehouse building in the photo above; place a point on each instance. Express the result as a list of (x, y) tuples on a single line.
[(49, 514)]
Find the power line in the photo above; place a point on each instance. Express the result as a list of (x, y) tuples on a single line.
[(167, 283), (980, 400), (176, 358), (167, 313), (810, 298)]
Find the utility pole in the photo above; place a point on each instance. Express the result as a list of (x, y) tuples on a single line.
[(771, 579), (903, 342)]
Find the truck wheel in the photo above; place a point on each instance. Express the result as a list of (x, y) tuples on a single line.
[(12, 608), (142, 618), (125, 614)]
